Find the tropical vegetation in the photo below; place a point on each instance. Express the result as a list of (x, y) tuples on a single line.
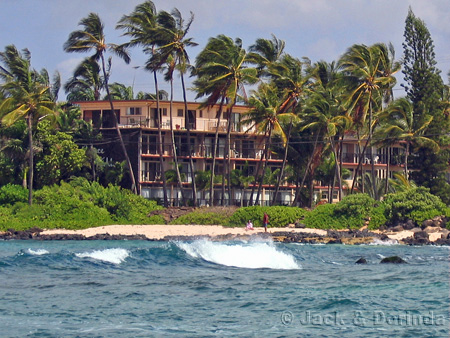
[(304, 109)]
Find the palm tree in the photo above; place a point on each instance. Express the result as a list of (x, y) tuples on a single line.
[(222, 72), (26, 98), (292, 79), (92, 37), (170, 37), (264, 115), (325, 112), (141, 26), (86, 83), (364, 70), (402, 125)]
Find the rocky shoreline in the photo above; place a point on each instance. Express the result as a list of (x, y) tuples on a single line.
[(416, 236)]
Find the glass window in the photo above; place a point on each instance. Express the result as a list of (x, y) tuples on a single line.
[(134, 111), (180, 113)]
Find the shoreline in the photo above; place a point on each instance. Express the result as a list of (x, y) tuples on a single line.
[(434, 236)]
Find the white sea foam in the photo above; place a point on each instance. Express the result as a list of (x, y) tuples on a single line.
[(115, 256), (38, 252), (252, 255), (377, 241)]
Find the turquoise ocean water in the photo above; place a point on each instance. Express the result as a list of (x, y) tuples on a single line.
[(220, 289)]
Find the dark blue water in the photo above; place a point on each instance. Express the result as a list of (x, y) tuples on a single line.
[(232, 289)]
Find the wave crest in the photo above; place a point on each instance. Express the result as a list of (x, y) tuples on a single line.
[(252, 255), (115, 256)]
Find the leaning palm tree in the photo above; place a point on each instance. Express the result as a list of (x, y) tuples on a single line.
[(86, 82), (26, 98), (293, 80), (170, 37), (363, 68), (402, 124), (92, 38), (265, 115), (140, 26), (222, 71), (326, 116)]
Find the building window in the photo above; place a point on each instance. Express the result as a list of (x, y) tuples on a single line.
[(200, 113), (180, 113), (150, 171), (134, 111), (164, 111)]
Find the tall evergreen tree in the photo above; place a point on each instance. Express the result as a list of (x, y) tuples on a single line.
[(425, 88), (423, 83)]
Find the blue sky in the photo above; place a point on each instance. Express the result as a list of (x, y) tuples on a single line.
[(319, 30)]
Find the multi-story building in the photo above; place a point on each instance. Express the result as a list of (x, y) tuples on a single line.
[(138, 123)]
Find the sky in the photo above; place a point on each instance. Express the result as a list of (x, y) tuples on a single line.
[(319, 29)]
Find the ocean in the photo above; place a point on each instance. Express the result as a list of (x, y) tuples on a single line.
[(221, 289)]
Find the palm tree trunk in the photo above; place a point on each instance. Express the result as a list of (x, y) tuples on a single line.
[(214, 153), (406, 160), (116, 124), (300, 187), (372, 165), (160, 143), (386, 187), (337, 167), (360, 160), (188, 128), (229, 125), (174, 148), (266, 155), (286, 150), (258, 169), (31, 159)]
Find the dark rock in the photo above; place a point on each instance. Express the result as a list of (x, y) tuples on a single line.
[(362, 260), (427, 223), (384, 237), (383, 228), (442, 241), (416, 229), (409, 225), (448, 236), (393, 260), (421, 235), (299, 225), (398, 228)]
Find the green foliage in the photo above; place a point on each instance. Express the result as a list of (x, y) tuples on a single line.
[(351, 213), (323, 217), (355, 205), (417, 204), (60, 158), (203, 218), (77, 205), (377, 217), (10, 194), (279, 216)]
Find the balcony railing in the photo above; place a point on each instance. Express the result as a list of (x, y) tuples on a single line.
[(205, 151), (377, 159)]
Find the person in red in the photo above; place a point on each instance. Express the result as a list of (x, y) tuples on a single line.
[(265, 221)]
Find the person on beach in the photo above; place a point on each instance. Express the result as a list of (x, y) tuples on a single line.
[(265, 221), (249, 225)]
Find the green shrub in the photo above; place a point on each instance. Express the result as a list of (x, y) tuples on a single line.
[(11, 193), (203, 218), (417, 204), (323, 217), (350, 213), (377, 217), (79, 205), (279, 216), (355, 205)]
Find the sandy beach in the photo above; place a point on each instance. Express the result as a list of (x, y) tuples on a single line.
[(158, 232)]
